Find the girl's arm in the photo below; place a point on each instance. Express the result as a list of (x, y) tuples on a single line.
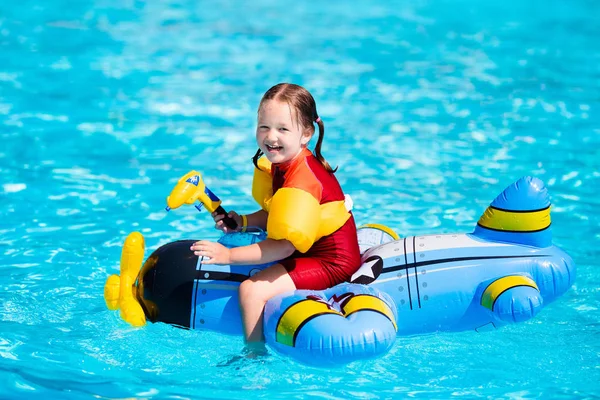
[(258, 219), (264, 252), (261, 253)]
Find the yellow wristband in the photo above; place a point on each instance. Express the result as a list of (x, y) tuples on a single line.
[(244, 223)]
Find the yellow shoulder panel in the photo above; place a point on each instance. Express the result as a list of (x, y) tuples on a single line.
[(295, 216), (333, 216), (262, 184)]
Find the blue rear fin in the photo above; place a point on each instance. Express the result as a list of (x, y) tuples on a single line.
[(520, 214)]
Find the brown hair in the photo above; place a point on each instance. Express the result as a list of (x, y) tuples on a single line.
[(302, 101)]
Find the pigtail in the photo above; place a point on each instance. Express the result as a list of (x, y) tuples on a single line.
[(256, 157), (318, 154)]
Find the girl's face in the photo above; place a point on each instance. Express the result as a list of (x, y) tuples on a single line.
[(278, 133)]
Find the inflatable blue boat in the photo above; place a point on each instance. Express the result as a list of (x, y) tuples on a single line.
[(503, 272)]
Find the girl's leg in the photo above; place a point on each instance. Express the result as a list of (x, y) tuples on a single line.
[(254, 293)]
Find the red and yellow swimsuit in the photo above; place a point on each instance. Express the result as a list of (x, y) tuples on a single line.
[(306, 206)]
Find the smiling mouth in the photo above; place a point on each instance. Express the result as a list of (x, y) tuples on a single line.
[(273, 148)]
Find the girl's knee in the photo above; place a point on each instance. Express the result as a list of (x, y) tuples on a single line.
[(264, 285), (248, 290)]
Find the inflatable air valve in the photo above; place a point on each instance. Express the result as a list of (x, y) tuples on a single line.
[(191, 188)]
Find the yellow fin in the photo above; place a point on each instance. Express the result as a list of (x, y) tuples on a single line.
[(119, 290), (383, 228), (111, 292)]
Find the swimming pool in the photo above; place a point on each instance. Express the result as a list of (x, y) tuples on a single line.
[(430, 108)]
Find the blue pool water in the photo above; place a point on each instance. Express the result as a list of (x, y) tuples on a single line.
[(431, 108)]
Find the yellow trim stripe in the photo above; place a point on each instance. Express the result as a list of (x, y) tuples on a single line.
[(296, 316), (499, 286), (363, 302), (515, 221), (384, 228)]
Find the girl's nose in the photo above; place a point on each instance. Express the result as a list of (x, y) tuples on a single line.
[(271, 134)]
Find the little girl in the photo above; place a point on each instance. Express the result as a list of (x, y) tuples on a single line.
[(309, 230)]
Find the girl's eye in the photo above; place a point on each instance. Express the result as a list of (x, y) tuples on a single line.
[(283, 129)]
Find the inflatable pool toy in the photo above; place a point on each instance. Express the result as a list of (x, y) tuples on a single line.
[(503, 272)]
